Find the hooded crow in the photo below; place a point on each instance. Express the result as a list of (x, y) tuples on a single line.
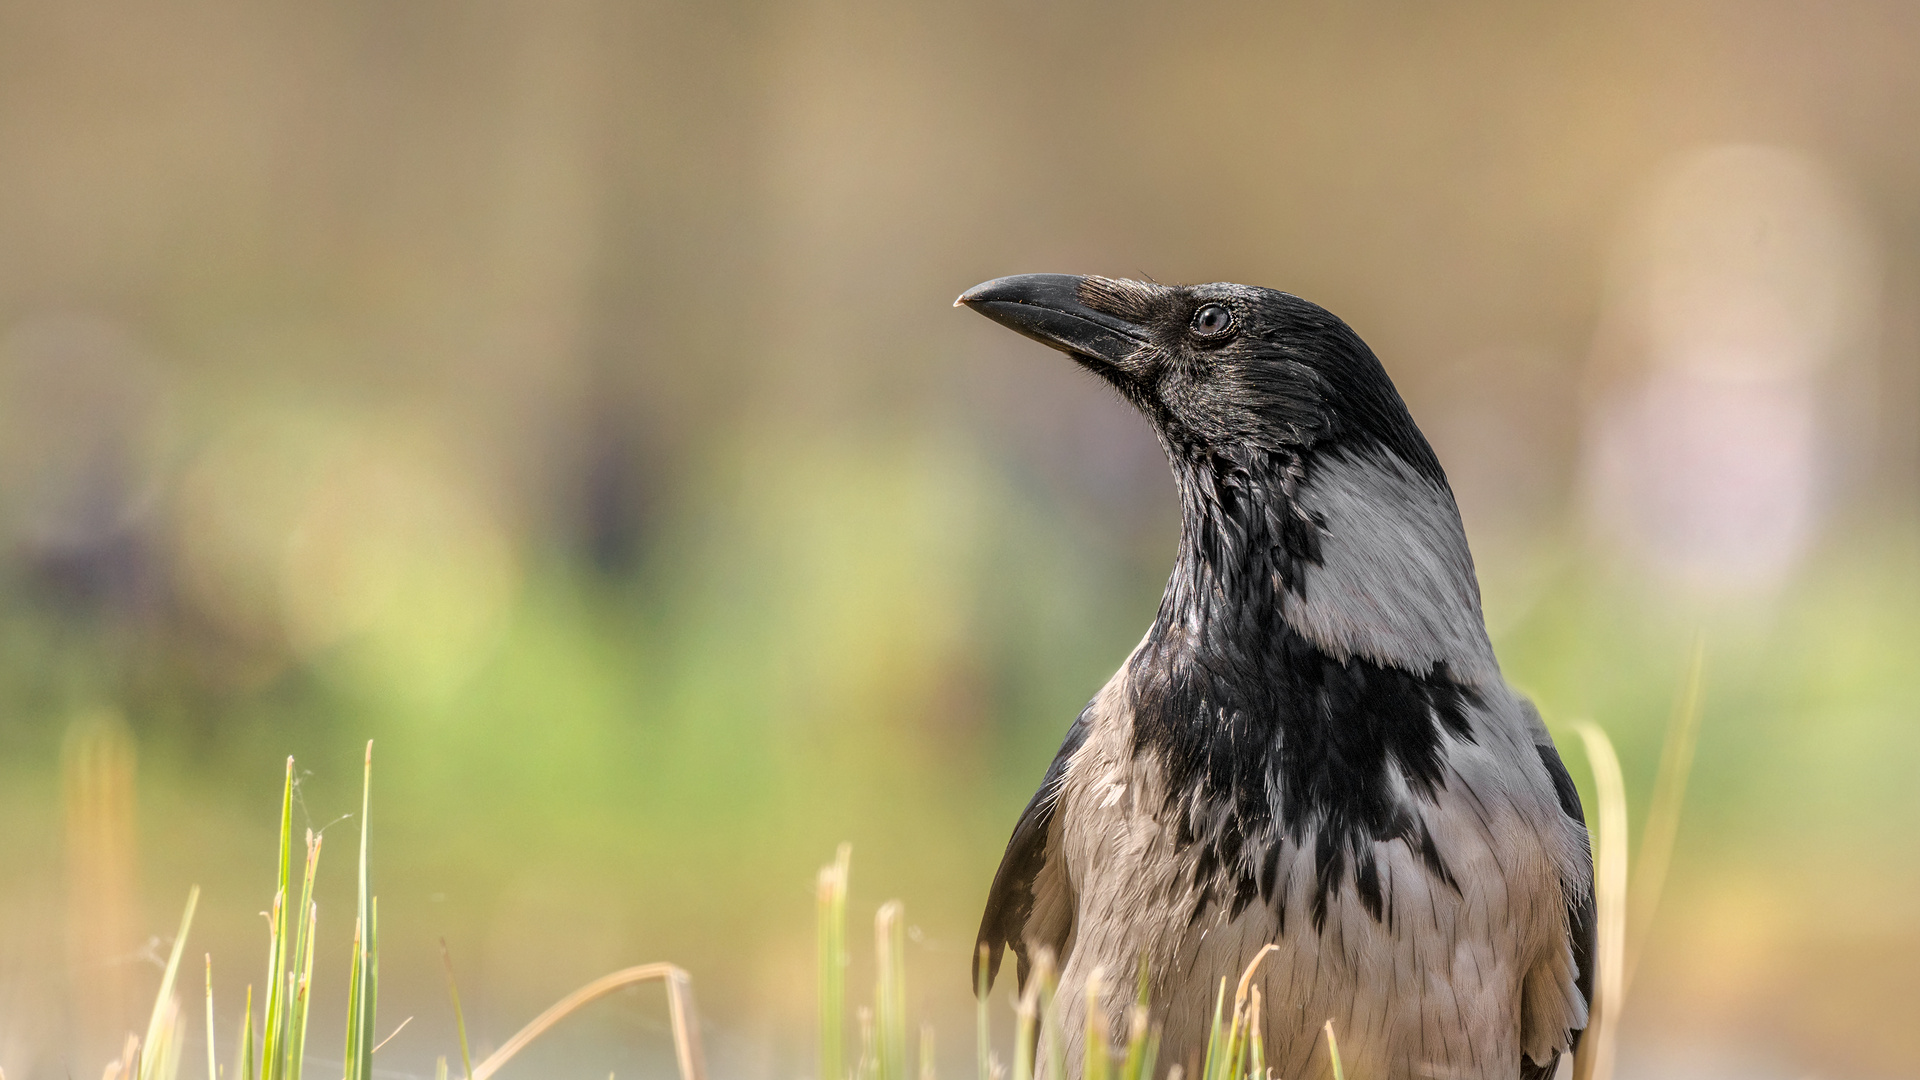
[(1313, 746)]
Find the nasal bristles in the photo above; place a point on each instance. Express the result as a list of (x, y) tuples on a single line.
[(1130, 300)]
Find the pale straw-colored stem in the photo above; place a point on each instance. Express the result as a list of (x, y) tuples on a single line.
[(1595, 1058), (686, 1021)]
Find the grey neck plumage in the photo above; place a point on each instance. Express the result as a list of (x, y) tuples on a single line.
[(1395, 583)]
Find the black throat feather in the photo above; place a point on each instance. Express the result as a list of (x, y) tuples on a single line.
[(1267, 741)]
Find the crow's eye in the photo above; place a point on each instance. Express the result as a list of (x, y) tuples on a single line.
[(1212, 321)]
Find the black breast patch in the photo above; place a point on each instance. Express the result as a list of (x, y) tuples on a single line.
[(1267, 740)]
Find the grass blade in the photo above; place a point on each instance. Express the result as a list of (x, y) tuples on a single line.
[(176, 1046), (679, 1000), (687, 1045), (982, 1023), (867, 1067), (213, 1063), (1136, 1056), (1333, 1054), (1594, 1059), (1025, 1044), (354, 993), (459, 1016), (1095, 1061), (1212, 1065), (244, 1069), (832, 933), (303, 992), (890, 992), (1239, 1042), (273, 1036), (1258, 1047), (305, 921), (364, 991), (161, 1024)]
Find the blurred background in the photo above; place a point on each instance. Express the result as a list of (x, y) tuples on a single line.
[(565, 396)]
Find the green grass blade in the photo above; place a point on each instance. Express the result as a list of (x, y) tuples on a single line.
[(273, 1036), (160, 1058), (244, 1069), (303, 994), (1094, 1063), (928, 1069), (354, 993), (363, 1006), (301, 971), (162, 1022), (1025, 1044), (1230, 1058), (276, 971), (1210, 1067), (459, 1015), (1135, 1061), (1333, 1054), (373, 985)]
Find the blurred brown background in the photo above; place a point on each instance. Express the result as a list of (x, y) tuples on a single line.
[(566, 397)]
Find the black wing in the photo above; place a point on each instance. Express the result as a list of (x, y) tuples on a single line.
[(1030, 872), (1581, 916)]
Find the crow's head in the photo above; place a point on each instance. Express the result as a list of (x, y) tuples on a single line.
[(1221, 369)]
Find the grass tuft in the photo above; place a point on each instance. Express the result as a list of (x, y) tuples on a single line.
[(363, 986), (1235, 1049), (158, 1057)]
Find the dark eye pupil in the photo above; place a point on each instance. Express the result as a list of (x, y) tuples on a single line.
[(1211, 320)]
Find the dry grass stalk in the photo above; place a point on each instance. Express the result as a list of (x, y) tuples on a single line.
[(890, 991), (832, 963), (685, 1020), (1595, 1058)]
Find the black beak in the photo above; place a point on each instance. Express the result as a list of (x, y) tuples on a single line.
[(1047, 308)]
